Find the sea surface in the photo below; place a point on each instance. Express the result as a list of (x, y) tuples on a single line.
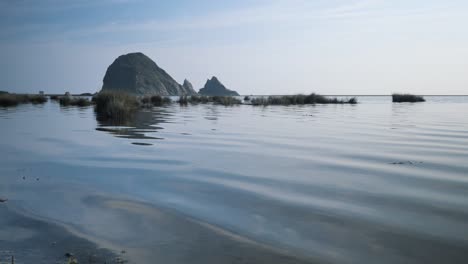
[(375, 182)]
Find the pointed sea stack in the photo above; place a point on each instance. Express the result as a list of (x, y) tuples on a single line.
[(188, 85), (136, 73), (214, 87)]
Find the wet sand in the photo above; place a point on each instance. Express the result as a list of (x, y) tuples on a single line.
[(134, 231), (151, 234), (31, 240)]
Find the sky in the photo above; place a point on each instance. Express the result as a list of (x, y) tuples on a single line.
[(331, 47)]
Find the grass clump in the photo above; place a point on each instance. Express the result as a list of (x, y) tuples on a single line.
[(225, 100), (115, 106), (407, 98), (222, 100), (301, 99), (155, 100), (74, 101), (196, 99), (183, 100), (158, 100), (7, 99), (36, 99)]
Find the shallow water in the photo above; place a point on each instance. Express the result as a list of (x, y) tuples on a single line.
[(370, 183)]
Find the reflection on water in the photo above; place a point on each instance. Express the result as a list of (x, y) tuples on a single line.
[(370, 183), (142, 125)]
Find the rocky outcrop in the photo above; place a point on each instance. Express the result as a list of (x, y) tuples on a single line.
[(214, 87), (188, 86), (135, 73)]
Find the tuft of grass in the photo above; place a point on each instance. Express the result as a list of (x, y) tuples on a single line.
[(7, 99), (225, 100), (158, 100), (115, 106), (352, 100), (409, 98), (65, 100), (183, 100), (37, 99), (195, 99), (300, 99), (259, 101), (155, 100), (74, 101)]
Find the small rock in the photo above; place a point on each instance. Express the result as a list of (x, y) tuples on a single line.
[(406, 162), (214, 87), (68, 255), (73, 260), (24, 178), (2, 200)]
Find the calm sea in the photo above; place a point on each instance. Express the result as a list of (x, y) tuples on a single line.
[(374, 182)]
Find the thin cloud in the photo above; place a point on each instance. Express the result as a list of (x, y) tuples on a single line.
[(294, 13)]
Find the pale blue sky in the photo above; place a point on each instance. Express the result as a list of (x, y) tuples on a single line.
[(254, 47)]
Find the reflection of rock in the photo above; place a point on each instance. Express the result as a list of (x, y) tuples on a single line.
[(214, 87), (137, 127)]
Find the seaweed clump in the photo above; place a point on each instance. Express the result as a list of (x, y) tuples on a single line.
[(7, 99), (407, 98), (300, 99), (221, 100), (74, 101), (155, 100), (115, 106)]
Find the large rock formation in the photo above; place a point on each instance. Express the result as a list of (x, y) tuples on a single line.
[(137, 74), (215, 87)]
